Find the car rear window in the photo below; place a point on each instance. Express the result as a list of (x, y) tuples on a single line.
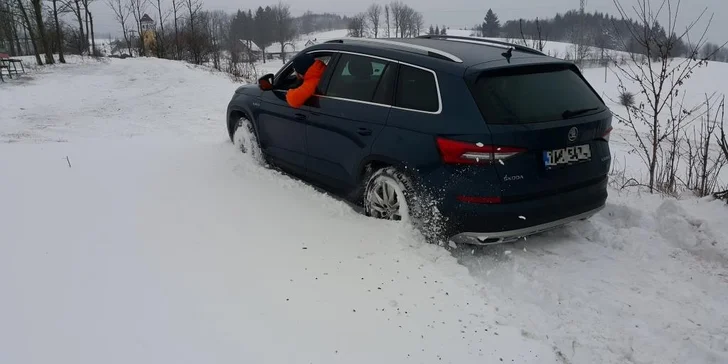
[(523, 95)]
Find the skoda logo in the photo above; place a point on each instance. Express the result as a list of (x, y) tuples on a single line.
[(573, 134)]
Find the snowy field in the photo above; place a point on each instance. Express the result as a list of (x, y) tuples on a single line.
[(132, 231)]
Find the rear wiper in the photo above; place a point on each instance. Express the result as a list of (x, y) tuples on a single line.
[(568, 114)]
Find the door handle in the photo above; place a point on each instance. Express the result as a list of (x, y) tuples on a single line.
[(364, 131), (300, 117)]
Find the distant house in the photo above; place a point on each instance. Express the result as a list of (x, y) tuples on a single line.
[(250, 49), (147, 23), (149, 36), (310, 42), (274, 51)]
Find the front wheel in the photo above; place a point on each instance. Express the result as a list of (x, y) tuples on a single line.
[(245, 139)]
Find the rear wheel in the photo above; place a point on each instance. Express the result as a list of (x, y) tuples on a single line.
[(391, 195), (385, 196), (244, 138)]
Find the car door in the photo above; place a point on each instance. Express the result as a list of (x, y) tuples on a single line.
[(345, 120), (282, 128)]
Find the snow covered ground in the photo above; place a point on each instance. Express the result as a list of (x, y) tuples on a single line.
[(132, 231)]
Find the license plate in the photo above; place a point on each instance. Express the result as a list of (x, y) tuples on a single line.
[(567, 156)]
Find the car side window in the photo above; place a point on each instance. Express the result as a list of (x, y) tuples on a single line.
[(387, 85), (288, 80), (417, 90), (357, 77)]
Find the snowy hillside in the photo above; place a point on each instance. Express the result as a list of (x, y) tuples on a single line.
[(131, 231), (551, 48), (300, 43)]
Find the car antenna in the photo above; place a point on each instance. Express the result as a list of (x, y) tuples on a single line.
[(508, 54)]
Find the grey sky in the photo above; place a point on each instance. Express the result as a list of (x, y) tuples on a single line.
[(453, 13)]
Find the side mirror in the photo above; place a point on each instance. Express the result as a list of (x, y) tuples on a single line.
[(266, 82)]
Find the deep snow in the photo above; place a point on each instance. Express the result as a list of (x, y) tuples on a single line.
[(160, 243)]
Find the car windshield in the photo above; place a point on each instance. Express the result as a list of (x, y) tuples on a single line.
[(525, 95)]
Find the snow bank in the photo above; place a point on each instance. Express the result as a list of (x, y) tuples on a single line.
[(643, 281)]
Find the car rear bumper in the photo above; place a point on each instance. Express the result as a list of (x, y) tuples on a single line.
[(498, 223), (490, 238)]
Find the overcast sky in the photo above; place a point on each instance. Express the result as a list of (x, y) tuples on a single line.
[(453, 13)]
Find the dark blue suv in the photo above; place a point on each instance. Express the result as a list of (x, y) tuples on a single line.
[(470, 139)]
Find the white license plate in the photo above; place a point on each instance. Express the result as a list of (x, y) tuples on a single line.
[(566, 156)]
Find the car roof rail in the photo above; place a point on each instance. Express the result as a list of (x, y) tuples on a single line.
[(485, 41), (429, 51)]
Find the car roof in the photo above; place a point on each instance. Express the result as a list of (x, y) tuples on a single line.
[(459, 52), (470, 51)]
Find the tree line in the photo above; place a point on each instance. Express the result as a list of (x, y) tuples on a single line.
[(593, 29), (36, 27), (395, 19), (183, 29)]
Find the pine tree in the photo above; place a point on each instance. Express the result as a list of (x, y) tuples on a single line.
[(443, 30), (437, 30), (432, 31), (491, 26), (263, 35)]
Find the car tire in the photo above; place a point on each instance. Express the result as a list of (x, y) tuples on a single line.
[(246, 140), (390, 194)]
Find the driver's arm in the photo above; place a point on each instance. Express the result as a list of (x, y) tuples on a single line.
[(296, 97)]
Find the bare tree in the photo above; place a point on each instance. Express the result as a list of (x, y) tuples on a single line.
[(30, 29), (397, 9), (195, 39), (74, 6), (6, 24), (579, 37), (38, 10), (175, 11), (704, 166), (579, 49), (358, 26), (710, 51), (709, 168), (9, 25), (723, 144), (418, 22), (538, 41), (138, 7), (405, 21), (284, 31), (89, 25), (373, 13), (58, 32), (602, 40), (386, 19), (658, 82), (161, 41), (219, 25), (121, 13)]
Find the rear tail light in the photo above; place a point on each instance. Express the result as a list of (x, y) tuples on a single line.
[(457, 152), (607, 134)]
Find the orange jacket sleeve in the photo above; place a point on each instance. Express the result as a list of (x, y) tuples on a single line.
[(297, 97)]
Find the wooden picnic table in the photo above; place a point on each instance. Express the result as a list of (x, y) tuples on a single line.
[(5, 64)]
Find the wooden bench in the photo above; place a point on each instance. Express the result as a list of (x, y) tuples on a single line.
[(5, 64)]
